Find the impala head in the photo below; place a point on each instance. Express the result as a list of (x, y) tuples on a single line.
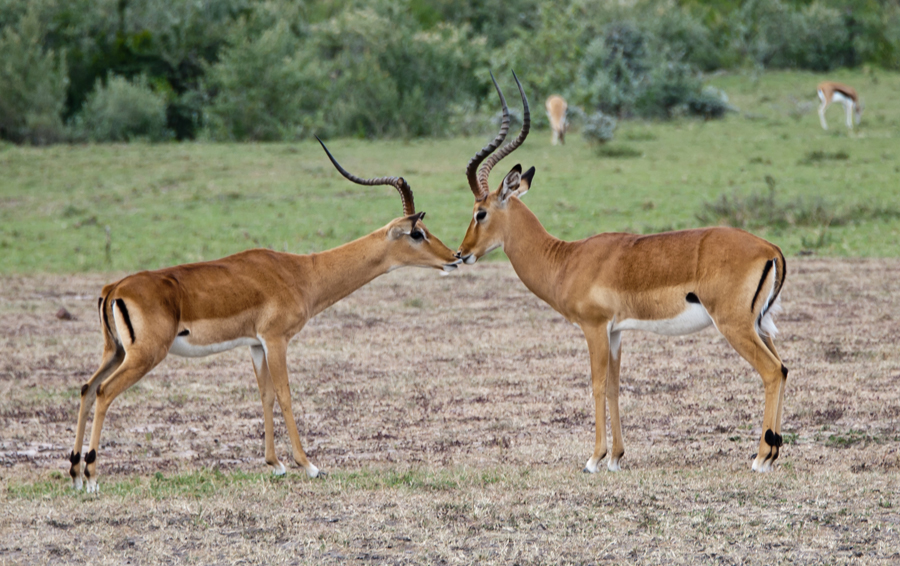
[(408, 241), (490, 215)]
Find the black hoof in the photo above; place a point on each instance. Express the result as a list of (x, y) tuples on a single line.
[(321, 475)]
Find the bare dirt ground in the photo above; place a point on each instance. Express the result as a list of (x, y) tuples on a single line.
[(454, 415)]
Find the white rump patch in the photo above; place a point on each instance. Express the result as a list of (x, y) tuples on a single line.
[(181, 346), (765, 325), (692, 319)]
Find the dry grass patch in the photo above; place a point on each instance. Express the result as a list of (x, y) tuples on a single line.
[(454, 415)]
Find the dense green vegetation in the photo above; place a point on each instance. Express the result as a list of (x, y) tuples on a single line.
[(768, 167), (234, 70)]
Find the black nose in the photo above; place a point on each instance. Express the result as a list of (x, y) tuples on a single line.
[(457, 256)]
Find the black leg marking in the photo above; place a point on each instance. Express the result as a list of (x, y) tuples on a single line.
[(761, 281), (87, 473), (784, 371), (74, 458), (84, 389), (779, 441), (184, 332), (770, 438), (692, 298), (91, 456), (121, 304)]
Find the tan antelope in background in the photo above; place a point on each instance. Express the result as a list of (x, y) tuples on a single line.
[(836, 92), (258, 299), (671, 283), (559, 123)]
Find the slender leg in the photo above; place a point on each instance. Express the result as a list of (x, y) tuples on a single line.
[(112, 359), (267, 394), (751, 347), (848, 108), (612, 399), (598, 346), (767, 340), (822, 108), (276, 359), (135, 366)]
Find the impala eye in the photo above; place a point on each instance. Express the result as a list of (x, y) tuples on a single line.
[(417, 235), (480, 215)]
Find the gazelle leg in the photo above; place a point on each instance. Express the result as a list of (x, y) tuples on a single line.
[(598, 346), (276, 359), (267, 394), (612, 398), (112, 359), (848, 108), (751, 347), (767, 340), (133, 368), (822, 108)]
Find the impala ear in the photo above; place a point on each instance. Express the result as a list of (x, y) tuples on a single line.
[(511, 182), (415, 218), (525, 183)]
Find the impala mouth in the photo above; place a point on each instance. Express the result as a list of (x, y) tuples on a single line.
[(469, 259), (450, 267)]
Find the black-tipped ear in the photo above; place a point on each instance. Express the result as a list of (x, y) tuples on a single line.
[(528, 176), (416, 217)]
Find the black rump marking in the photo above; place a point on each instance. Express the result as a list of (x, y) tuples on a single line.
[(84, 389), (106, 318), (692, 298), (784, 371), (91, 456), (121, 304), (761, 281), (184, 332)]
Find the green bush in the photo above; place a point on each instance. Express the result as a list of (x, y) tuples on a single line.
[(122, 110), (711, 103), (599, 128), (32, 85)]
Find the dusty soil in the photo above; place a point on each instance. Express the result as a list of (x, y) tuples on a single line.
[(454, 415)]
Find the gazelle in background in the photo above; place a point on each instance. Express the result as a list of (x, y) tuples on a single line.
[(671, 283), (258, 298), (836, 92), (556, 111)]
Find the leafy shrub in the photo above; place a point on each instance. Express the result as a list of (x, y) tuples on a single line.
[(710, 104), (122, 110), (669, 85), (265, 88), (32, 85), (599, 128)]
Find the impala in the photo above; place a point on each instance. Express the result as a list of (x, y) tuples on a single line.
[(671, 283), (836, 92), (257, 298), (556, 112)]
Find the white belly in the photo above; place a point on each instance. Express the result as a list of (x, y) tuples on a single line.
[(693, 319), (181, 347)]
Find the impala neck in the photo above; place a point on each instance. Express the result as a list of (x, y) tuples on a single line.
[(536, 256), (333, 274)]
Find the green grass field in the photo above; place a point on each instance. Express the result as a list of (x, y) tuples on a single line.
[(176, 203)]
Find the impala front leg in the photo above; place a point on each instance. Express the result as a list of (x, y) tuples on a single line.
[(598, 345), (276, 359), (267, 395), (612, 399)]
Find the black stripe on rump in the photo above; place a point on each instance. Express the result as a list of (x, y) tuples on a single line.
[(105, 317), (761, 281), (121, 304)]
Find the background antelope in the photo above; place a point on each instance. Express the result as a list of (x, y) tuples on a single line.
[(257, 298), (556, 112), (836, 92), (671, 283)]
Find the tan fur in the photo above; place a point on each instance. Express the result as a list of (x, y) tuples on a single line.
[(260, 297), (827, 90), (605, 280), (556, 112)]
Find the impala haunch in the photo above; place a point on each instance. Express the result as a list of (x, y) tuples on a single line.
[(258, 299), (556, 112), (830, 92), (671, 283)]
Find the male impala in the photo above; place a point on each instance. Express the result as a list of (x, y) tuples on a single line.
[(556, 112), (257, 298), (672, 283), (836, 92)]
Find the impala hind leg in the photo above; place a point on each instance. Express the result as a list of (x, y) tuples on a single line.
[(133, 368), (112, 359), (267, 394), (752, 348), (276, 360), (770, 344), (598, 346)]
